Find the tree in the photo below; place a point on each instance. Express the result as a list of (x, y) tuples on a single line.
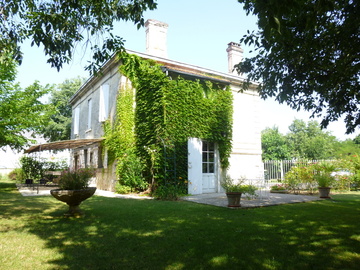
[(303, 141), (59, 125), (307, 140), (274, 145), (346, 148), (59, 25), (307, 56), (357, 139), (21, 111)]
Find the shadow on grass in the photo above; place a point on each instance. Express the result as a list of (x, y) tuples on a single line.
[(148, 234), (14, 205)]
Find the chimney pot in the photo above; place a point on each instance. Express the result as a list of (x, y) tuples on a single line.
[(156, 38), (235, 56)]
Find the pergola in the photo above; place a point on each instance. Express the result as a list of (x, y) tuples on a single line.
[(60, 145)]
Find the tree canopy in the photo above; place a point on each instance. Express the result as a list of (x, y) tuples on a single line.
[(303, 141), (308, 140), (58, 126), (274, 145), (59, 25), (307, 56), (22, 113)]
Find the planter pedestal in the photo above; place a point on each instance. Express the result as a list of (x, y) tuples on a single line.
[(234, 199), (73, 198), (324, 192)]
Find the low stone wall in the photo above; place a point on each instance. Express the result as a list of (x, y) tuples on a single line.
[(106, 178)]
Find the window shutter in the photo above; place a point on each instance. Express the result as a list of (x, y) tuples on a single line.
[(104, 103), (76, 120), (89, 113)]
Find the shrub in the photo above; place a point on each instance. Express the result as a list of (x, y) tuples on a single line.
[(355, 181), (169, 192), (32, 168), (76, 179), (293, 178), (35, 168), (343, 182), (129, 170), (278, 187), (17, 175), (121, 189)]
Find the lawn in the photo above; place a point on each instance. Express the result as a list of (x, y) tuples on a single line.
[(150, 234)]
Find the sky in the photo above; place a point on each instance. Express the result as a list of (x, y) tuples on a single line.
[(198, 34)]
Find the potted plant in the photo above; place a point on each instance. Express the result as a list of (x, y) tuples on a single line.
[(234, 190), (74, 188), (324, 178), (324, 184)]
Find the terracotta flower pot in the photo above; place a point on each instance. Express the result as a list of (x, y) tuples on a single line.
[(73, 198), (233, 199), (324, 192)]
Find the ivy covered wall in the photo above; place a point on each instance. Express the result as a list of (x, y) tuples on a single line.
[(167, 112)]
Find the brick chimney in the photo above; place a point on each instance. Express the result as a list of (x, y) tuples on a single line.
[(156, 38), (235, 56)]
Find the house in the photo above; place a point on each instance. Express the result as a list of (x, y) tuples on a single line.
[(95, 104)]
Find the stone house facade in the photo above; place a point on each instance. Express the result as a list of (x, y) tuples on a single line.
[(95, 102)]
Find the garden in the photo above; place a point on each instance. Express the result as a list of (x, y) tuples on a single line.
[(308, 176), (154, 234)]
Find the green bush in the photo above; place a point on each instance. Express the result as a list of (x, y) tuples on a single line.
[(300, 177), (17, 175), (32, 168), (129, 171), (344, 182), (354, 180), (169, 192), (121, 189), (35, 168), (76, 179)]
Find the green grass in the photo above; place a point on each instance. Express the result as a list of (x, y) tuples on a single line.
[(149, 234)]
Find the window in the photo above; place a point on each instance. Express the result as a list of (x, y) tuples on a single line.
[(76, 120), (208, 157), (91, 159), (86, 163), (104, 103), (76, 162), (89, 113)]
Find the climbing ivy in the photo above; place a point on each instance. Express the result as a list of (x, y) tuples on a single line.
[(120, 142), (168, 112)]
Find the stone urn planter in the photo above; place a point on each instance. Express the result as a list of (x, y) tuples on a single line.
[(73, 198), (324, 177), (233, 199), (74, 189), (234, 189), (324, 192)]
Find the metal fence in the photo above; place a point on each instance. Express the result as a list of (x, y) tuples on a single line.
[(276, 169)]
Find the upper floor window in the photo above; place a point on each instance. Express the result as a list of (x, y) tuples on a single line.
[(104, 103), (76, 120), (89, 113)]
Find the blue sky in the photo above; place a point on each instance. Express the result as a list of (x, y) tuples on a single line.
[(198, 33)]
